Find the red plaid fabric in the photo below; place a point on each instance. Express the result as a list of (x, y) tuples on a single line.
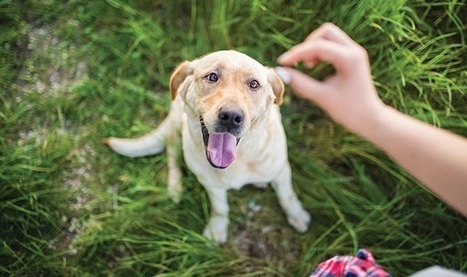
[(363, 265)]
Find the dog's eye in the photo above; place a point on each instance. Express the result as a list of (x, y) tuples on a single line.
[(254, 85), (212, 77)]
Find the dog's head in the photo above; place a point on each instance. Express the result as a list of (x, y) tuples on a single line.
[(228, 93)]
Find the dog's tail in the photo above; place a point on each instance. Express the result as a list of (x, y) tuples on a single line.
[(154, 142), (149, 144)]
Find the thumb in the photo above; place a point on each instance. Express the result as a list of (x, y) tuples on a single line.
[(302, 84)]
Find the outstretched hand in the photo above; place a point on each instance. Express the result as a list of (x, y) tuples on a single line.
[(349, 96)]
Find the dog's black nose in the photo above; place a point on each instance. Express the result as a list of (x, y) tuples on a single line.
[(230, 118)]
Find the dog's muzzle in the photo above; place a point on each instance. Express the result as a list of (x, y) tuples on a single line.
[(221, 145)]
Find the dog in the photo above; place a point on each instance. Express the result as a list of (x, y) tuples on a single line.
[(225, 106)]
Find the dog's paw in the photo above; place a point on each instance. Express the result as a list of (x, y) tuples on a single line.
[(217, 229), (175, 192), (174, 188), (300, 221)]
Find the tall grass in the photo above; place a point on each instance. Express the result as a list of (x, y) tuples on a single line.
[(74, 73)]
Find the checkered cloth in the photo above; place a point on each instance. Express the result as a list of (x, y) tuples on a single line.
[(363, 265)]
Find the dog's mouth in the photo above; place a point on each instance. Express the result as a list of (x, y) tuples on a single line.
[(221, 148)]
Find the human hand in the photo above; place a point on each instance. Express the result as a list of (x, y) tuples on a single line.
[(349, 96)]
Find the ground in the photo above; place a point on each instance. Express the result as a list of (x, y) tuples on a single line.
[(74, 72)]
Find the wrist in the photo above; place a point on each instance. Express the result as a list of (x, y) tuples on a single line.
[(373, 121)]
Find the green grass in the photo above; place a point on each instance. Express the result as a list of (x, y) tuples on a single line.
[(71, 74)]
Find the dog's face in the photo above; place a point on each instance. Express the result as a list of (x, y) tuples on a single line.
[(227, 93)]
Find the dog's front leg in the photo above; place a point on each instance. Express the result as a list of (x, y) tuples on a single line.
[(217, 227), (298, 217), (174, 172)]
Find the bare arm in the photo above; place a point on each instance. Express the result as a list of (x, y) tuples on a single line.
[(437, 158)]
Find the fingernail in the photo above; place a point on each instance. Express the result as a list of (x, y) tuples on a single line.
[(283, 74)]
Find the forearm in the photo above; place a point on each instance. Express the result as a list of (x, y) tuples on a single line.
[(437, 158)]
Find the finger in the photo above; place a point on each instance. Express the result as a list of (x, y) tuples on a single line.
[(316, 52), (310, 64), (302, 84), (331, 32)]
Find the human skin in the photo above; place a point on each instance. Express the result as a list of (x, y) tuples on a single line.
[(436, 157)]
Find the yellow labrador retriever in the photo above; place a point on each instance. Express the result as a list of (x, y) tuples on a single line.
[(226, 106)]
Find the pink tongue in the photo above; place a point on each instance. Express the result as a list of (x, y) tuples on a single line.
[(221, 149)]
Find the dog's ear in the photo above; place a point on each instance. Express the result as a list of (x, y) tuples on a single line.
[(184, 70), (277, 86)]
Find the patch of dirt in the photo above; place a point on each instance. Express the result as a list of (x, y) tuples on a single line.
[(270, 243), (52, 69)]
